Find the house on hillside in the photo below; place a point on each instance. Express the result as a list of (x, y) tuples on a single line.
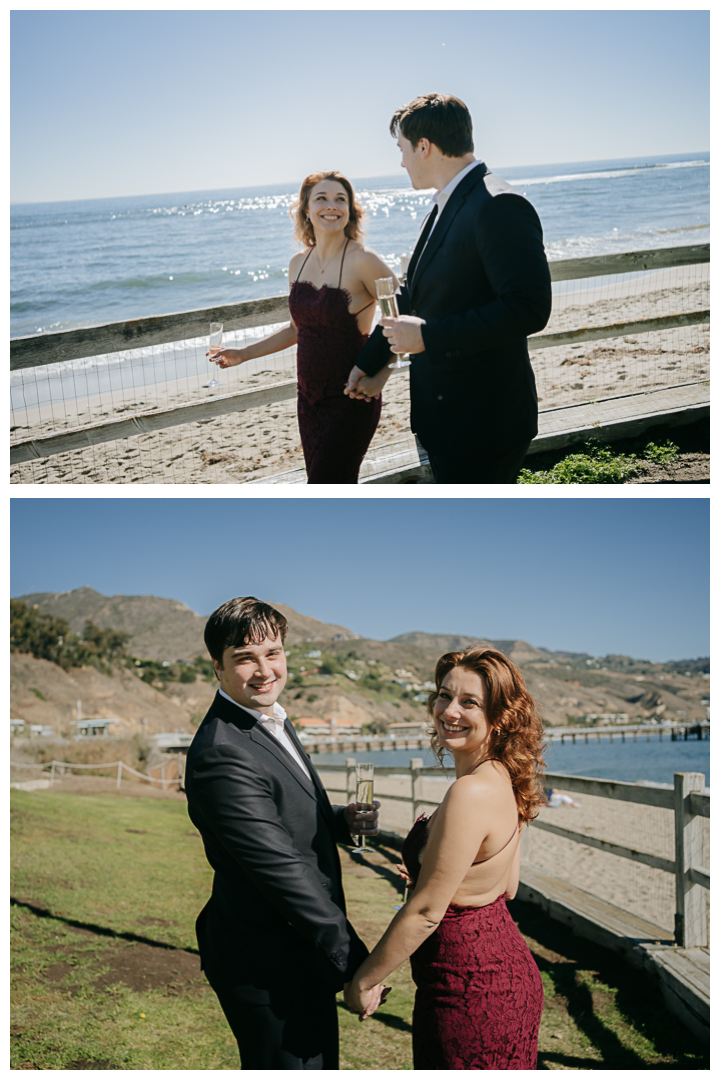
[(410, 729), (22, 728), (97, 728)]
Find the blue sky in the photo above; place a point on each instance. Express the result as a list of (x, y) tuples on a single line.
[(112, 103), (622, 575)]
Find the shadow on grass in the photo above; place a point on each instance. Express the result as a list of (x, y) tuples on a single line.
[(386, 872), (93, 928), (386, 1018), (637, 997)]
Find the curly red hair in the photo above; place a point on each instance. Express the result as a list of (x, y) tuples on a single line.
[(517, 738)]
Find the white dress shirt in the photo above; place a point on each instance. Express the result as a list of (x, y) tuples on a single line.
[(441, 197), (275, 724)]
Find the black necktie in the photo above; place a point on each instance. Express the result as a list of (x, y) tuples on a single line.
[(420, 246)]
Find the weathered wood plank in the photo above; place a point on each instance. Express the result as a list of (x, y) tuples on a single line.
[(143, 423), (691, 901), (39, 349), (700, 875), (688, 972), (656, 861), (83, 342), (614, 330), (628, 261), (613, 789), (595, 918)]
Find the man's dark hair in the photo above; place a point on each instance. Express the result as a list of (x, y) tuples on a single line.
[(441, 118), (243, 621)]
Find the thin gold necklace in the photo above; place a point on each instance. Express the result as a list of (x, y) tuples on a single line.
[(324, 268)]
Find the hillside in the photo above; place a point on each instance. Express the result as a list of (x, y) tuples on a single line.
[(354, 678), (161, 629)]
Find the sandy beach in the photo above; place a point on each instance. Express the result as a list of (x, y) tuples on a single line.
[(260, 442), (631, 886)]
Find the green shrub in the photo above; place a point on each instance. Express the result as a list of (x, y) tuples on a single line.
[(661, 455), (594, 464)]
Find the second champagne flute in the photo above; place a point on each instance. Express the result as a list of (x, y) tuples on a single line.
[(216, 333), (385, 288), (364, 772)]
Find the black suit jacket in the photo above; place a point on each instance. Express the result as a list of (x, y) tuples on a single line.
[(482, 284), (275, 922)]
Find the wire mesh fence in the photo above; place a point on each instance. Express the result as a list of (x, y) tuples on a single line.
[(148, 415), (642, 890)]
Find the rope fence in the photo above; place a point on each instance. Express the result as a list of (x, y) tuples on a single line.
[(56, 766)]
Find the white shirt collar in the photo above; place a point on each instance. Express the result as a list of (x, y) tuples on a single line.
[(278, 717), (441, 197)]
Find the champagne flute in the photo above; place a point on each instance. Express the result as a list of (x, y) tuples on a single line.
[(216, 333), (363, 797), (385, 288)]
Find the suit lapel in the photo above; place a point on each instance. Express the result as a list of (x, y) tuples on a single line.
[(445, 220), (240, 718), (269, 742), (320, 789)]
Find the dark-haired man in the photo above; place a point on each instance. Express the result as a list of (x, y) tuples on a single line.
[(478, 283), (274, 939)]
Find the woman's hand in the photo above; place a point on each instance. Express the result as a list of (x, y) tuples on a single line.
[(366, 387), (402, 870), (364, 1002), (225, 358)]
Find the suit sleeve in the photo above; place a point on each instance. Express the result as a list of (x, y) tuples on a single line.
[(239, 807), (509, 241)]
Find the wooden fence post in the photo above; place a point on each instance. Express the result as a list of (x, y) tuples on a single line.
[(52, 772), (119, 775), (690, 898), (416, 765)]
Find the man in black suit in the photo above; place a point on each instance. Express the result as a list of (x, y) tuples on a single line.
[(274, 939), (477, 285)]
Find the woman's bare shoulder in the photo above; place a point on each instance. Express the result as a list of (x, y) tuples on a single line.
[(369, 259), (298, 257), (296, 262)]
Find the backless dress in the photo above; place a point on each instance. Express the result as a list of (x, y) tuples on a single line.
[(479, 993), (335, 430)]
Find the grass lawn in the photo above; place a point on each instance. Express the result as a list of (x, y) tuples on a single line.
[(105, 974)]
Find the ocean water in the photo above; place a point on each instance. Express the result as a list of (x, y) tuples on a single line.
[(105, 260), (656, 760)]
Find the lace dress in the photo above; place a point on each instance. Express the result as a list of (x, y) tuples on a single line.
[(479, 993), (335, 430)]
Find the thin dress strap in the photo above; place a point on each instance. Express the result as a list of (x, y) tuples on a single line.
[(303, 265), (496, 852), (342, 262)]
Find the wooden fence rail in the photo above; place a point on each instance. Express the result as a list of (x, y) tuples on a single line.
[(42, 349), (686, 799)]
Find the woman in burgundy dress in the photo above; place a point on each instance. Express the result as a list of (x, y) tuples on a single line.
[(479, 993), (332, 302)]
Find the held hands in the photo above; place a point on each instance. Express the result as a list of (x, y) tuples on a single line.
[(225, 358), (362, 822), (365, 1002), (404, 333), (364, 387)]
